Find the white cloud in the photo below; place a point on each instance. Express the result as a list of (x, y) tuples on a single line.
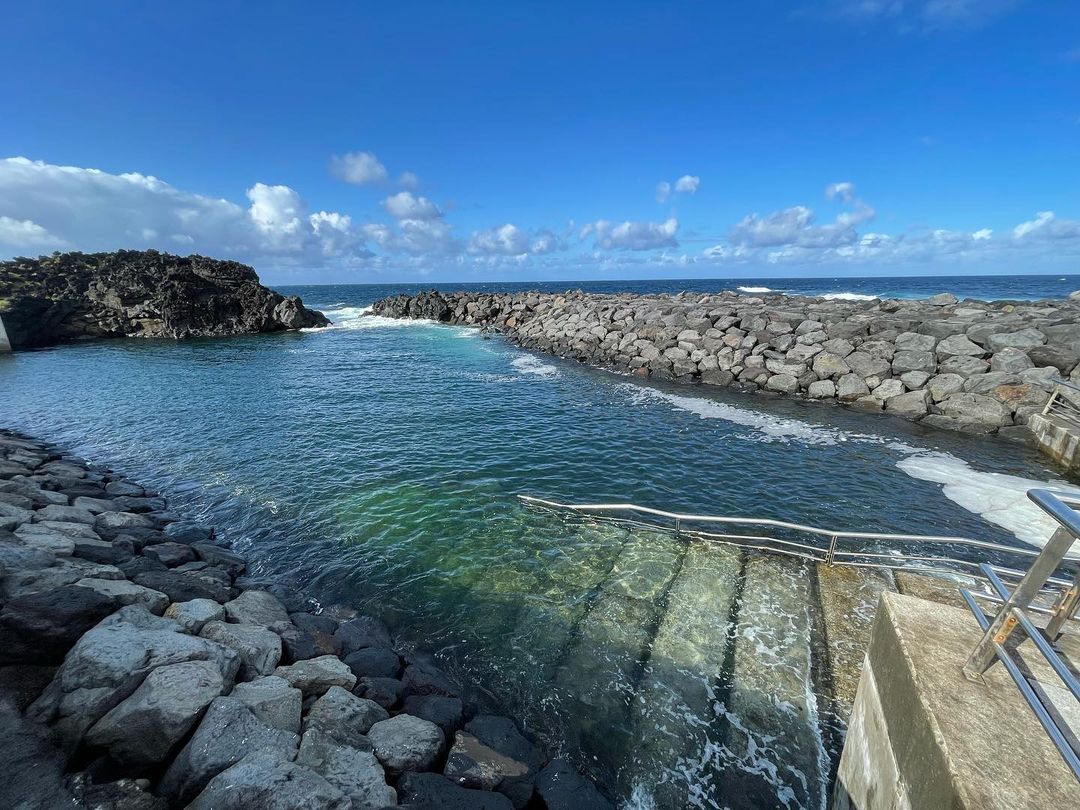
[(88, 209), (409, 180), (928, 15), (23, 233), (545, 241), (358, 168), (1046, 225), (510, 240), (405, 205), (845, 191), (633, 235), (425, 236), (688, 184)]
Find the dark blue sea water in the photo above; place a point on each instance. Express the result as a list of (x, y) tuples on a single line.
[(377, 463)]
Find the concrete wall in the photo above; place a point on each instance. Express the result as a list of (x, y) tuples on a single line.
[(1057, 438), (5, 344), (923, 737)]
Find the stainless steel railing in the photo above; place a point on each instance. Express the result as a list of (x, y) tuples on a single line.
[(1000, 641), (927, 553), (1061, 404)]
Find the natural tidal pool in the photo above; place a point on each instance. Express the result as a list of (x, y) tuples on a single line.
[(378, 464)]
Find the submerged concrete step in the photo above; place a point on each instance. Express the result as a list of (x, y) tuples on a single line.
[(598, 676), (777, 756), (678, 754)]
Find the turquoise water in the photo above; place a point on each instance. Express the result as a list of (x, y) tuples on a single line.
[(378, 463)]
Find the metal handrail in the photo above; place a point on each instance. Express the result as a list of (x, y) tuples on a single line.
[(999, 643), (1061, 406), (831, 554)]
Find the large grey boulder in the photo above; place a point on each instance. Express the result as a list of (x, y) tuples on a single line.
[(363, 631), (942, 385), (65, 514), (259, 648), (867, 365), (316, 675), (1021, 339), (41, 627), (343, 716), (269, 781), (959, 345), (851, 387), (145, 727), (904, 361), (1011, 360), (821, 389), (256, 607), (354, 772), (782, 383), (406, 743), (195, 613), (829, 366), (273, 701), (123, 520), (109, 663), (127, 593), (914, 342), (912, 405), (963, 365), (979, 408), (1063, 358), (229, 731)]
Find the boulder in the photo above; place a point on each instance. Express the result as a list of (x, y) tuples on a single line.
[(782, 383), (374, 662), (424, 678), (170, 554), (41, 627), (231, 563), (432, 790), (887, 389), (942, 385), (406, 743), (109, 663), (914, 342), (145, 727), (822, 389), (363, 631), (964, 366), (979, 408), (904, 361), (958, 345), (194, 614), (183, 587), (259, 649), (356, 773), (316, 675), (445, 712), (561, 787), (851, 387), (269, 781), (912, 405), (344, 717), (123, 592), (123, 520), (1063, 358), (1021, 339), (1011, 360), (256, 607), (229, 731), (387, 692), (829, 366), (273, 701)]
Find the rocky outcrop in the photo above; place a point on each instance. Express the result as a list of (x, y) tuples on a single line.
[(974, 366), (130, 293), (205, 689)]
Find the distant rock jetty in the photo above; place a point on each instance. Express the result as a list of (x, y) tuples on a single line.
[(973, 366), (131, 293), (140, 669)]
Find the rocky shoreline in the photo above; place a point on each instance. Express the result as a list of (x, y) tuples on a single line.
[(141, 670), (973, 366), (138, 293)]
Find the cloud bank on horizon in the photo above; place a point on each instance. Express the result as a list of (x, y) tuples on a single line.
[(848, 137), (71, 208)]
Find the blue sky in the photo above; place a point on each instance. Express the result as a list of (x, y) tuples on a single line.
[(443, 141)]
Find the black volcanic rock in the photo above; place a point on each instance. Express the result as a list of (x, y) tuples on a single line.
[(132, 293)]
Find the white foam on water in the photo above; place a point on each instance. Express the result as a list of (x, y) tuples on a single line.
[(754, 289), (527, 364), (998, 498), (848, 296)]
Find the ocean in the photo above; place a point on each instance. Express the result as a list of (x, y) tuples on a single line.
[(377, 463)]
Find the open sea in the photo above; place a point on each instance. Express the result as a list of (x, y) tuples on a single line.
[(378, 463)]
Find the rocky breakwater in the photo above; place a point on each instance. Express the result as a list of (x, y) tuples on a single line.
[(129, 293), (141, 670), (974, 366)]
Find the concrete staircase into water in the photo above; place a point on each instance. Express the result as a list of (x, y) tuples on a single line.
[(710, 676)]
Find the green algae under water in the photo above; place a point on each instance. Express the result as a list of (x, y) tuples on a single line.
[(378, 463)]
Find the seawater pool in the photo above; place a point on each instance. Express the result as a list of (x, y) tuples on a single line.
[(377, 464)]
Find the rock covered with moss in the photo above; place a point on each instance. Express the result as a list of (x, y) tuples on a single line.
[(139, 293)]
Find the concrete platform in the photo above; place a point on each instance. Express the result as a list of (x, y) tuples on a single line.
[(923, 736), (1057, 438), (5, 344)]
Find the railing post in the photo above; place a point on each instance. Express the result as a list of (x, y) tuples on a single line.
[(1050, 402), (830, 554), (1064, 609), (678, 526), (1003, 625)]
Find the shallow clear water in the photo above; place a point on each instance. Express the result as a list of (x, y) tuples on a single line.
[(378, 464)]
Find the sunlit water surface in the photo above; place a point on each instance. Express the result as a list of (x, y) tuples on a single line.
[(377, 464)]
